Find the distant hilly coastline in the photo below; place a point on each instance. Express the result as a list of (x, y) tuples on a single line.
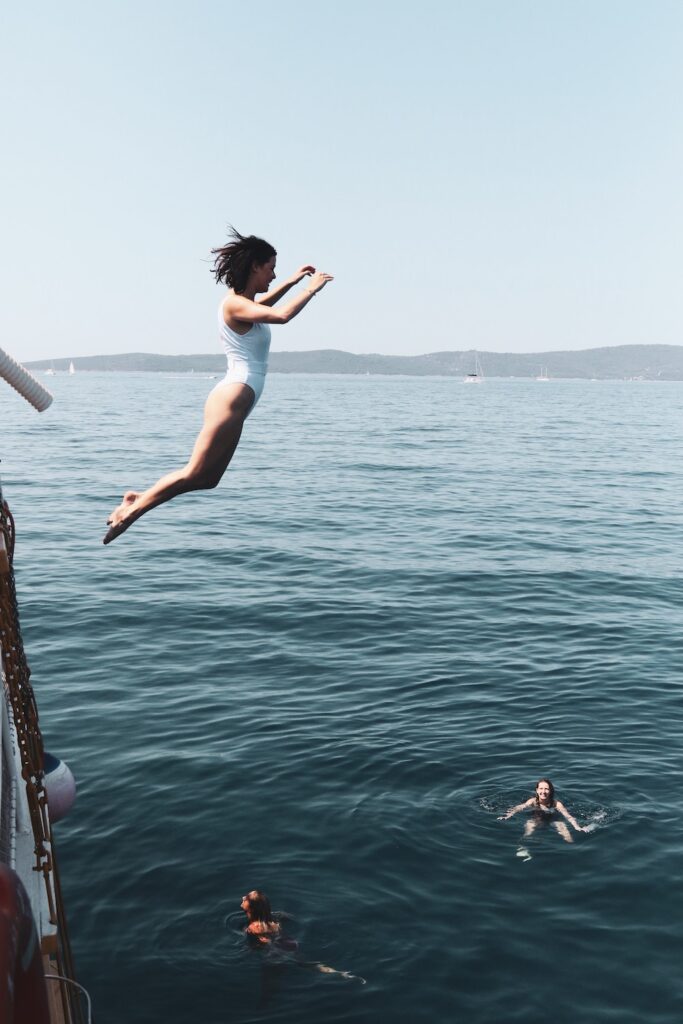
[(642, 362)]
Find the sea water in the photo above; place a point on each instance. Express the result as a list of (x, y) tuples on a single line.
[(406, 602)]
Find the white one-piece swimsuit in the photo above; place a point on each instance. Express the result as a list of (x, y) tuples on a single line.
[(247, 356)]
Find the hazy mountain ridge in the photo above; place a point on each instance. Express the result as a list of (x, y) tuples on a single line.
[(651, 362)]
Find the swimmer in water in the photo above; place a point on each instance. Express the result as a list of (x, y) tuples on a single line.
[(264, 930), (247, 266), (545, 807)]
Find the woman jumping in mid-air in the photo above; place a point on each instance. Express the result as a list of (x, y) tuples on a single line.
[(545, 808), (247, 266)]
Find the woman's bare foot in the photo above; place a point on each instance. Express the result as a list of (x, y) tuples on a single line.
[(120, 511), (115, 531), (122, 517)]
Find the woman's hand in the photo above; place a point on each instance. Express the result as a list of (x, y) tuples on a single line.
[(303, 272), (318, 281), (572, 821), (504, 817)]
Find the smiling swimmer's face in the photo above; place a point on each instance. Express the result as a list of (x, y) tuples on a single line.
[(543, 792)]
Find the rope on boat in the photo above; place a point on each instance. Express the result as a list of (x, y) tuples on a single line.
[(19, 692), (24, 382)]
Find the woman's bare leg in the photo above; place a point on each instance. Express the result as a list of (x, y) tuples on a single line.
[(224, 414), (564, 831), (325, 969), (529, 828)]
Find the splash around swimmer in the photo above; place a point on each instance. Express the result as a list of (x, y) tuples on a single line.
[(247, 266)]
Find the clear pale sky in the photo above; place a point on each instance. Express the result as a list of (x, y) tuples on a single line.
[(492, 174)]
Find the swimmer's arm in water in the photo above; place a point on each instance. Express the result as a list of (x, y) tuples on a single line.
[(565, 814), (241, 308), (276, 294), (514, 810)]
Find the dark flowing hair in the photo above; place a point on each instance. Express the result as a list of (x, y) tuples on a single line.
[(234, 262), (551, 788), (259, 906)]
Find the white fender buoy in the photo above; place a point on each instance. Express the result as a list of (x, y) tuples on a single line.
[(60, 786)]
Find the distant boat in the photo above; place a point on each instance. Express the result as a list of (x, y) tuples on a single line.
[(72, 368), (477, 376), (51, 372), (543, 375)]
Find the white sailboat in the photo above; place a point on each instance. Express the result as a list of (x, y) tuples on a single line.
[(477, 376), (543, 375), (72, 368)]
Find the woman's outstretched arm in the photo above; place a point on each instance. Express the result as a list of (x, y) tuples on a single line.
[(242, 308), (565, 813), (276, 294), (514, 810)]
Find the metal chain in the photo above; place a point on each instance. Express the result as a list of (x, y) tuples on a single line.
[(16, 677), (20, 695)]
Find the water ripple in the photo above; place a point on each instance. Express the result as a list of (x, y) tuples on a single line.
[(328, 678)]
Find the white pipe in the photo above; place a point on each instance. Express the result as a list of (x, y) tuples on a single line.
[(24, 382)]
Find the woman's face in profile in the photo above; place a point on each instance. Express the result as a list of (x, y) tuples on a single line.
[(265, 274)]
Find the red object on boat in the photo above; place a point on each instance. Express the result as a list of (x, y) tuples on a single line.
[(23, 996)]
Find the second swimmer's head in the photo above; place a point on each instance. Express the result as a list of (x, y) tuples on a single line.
[(256, 906)]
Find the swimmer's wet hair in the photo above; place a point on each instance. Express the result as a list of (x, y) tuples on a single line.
[(234, 262), (259, 906), (550, 787)]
